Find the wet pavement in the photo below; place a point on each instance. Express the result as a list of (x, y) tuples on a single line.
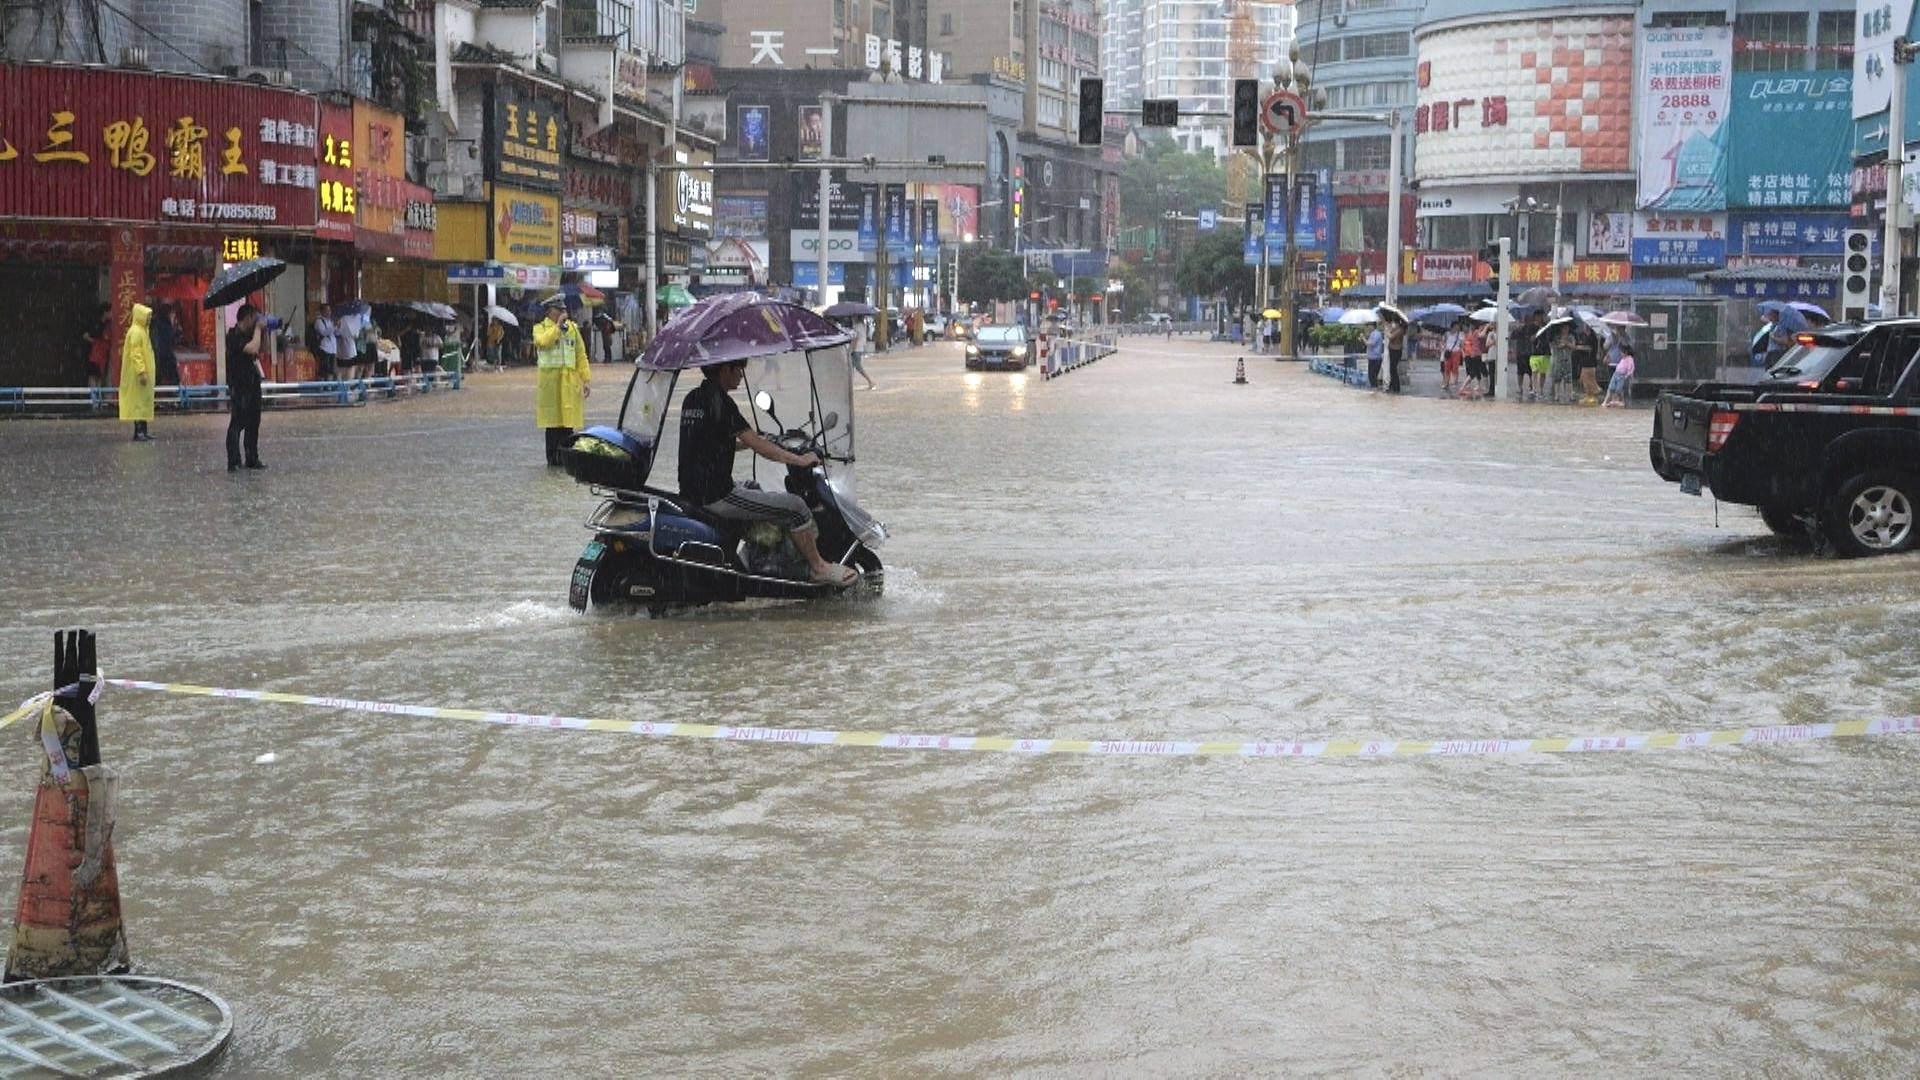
[(1139, 549)]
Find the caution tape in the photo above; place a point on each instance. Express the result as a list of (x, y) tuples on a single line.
[(1800, 407), (1662, 740)]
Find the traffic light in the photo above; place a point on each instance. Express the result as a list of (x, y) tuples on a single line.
[(1856, 275), (1246, 112), (1019, 198), (1093, 110), (1160, 112)]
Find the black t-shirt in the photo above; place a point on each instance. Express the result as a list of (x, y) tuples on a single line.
[(709, 420), (242, 376)]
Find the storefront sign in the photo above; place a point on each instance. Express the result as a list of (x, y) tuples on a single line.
[(1780, 290), (1502, 101), (527, 138), (526, 227), (235, 249), (589, 258), (1877, 23), (1776, 235), (338, 191), (1464, 199), (95, 144), (689, 208), (1581, 272), (630, 75), (1679, 239), (1444, 267), (376, 152), (1008, 68), (1790, 147), (601, 188), (1685, 93)]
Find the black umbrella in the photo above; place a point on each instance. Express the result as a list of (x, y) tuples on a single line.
[(1539, 297), (851, 309), (236, 281)]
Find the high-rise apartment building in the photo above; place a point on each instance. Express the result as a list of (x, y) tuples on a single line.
[(1184, 52)]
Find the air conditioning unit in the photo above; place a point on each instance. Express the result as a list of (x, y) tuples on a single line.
[(133, 56), (265, 76)]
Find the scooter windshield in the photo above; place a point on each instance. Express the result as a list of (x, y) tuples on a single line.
[(808, 389)]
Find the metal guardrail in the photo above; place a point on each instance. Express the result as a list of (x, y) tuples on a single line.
[(1074, 353), (1160, 329), (95, 401), (1341, 368)]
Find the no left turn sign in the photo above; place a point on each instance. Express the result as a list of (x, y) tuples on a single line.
[(1283, 113)]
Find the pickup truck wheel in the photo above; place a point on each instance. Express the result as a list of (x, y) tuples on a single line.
[(1784, 522), (1873, 514)]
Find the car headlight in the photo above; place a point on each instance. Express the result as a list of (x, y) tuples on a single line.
[(973, 350), (1019, 351)]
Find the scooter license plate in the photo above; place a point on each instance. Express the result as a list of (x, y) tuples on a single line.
[(580, 589), (1690, 484)]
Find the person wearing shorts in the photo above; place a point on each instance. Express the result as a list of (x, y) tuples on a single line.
[(1621, 385), (711, 431), (1473, 347), (1540, 365)]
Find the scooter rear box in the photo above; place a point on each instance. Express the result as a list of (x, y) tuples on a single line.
[(609, 457)]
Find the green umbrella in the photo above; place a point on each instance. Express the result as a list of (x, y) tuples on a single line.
[(674, 296)]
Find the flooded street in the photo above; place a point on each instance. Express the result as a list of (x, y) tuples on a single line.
[(1137, 550)]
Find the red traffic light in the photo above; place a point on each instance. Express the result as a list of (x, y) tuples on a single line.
[(1033, 296), (1095, 298)]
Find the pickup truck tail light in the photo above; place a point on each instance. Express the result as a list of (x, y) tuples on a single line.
[(1719, 426)]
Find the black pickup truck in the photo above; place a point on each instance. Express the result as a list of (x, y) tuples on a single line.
[(1828, 443)]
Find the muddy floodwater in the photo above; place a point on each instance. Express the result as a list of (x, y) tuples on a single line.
[(1139, 550)]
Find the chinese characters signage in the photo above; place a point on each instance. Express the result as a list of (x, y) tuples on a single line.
[(1679, 239), (1791, 146), (688, 207), (1581, 272), (119, 145), (527, 139), (1876, 24), (526, 227), (1685, 92)]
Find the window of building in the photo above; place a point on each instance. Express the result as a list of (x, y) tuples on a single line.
[(1673, 19), (1366, 152), (1363, 228), (1770, 41), (883, 21), (946, 25), (1376, 46), (1320, 155), (1833, 40), (1370, 95)]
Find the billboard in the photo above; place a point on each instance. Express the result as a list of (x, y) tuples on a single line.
[(527, 140), (1790, 146), (1688, 240), (526, 227), (754, 136), (1686, 93), (1876, 24), (813, 132), (1525, 98)]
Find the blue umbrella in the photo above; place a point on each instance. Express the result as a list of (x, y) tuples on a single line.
[(1792, 319)]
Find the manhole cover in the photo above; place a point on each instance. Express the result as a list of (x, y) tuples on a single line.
[(101, 1026)]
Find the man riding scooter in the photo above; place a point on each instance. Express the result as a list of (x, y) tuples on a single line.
[(712, 430)]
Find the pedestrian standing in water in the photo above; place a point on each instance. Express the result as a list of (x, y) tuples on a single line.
[(1376, 352), (1620, 387), (246, 343), (1396, 351), (859, 350), (559, 404), (165, 335), (136, 374), (324, 343)]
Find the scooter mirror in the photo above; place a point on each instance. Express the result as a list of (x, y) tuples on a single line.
[(764, 402), (832, 421)]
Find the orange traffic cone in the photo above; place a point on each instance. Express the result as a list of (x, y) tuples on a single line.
[(68, 921), (1240, 372)]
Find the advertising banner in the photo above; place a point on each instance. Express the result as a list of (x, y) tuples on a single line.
[(686, 206), (754, 142), (929, 224), (1790, 147), (1310, 213), (101, 145), (1686, 75), (959, 211), (896, 218), (867, 224), (813, 132), (1876, 24), (527, 141), (1692, 240), (1777, 234), (1608, 233), (745, 215), (526, 227)]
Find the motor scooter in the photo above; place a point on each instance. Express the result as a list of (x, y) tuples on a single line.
[(653, 549)]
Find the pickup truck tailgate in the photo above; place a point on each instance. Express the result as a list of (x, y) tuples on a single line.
[(1680, 426)]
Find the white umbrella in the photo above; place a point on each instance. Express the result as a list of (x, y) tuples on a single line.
[(1486, 314), (1357, 317), (502, 314), (1391, 312)]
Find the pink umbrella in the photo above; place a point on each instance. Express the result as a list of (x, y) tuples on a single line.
[(1622, 318)]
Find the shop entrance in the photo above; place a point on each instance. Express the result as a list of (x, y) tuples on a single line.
[(43, 326)]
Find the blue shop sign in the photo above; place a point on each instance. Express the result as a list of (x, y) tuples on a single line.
[(1788, 234), (808, 274), (1779, 290)]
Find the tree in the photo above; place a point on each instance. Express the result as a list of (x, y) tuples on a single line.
[(1167, 178), (1132, 297), (988, 276), (1213, 265)]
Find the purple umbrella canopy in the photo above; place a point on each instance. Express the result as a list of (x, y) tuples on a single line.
[(737, 326)]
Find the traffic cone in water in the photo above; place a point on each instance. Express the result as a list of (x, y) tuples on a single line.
[(1240, 372), (68, 921)]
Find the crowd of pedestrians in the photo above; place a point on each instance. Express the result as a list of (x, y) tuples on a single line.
[(1556, 355)]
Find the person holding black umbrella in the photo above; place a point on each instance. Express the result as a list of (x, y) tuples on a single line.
[(245, 343)]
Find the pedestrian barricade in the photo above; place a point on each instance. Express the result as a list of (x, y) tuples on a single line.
[(1076, 353), (1160, 329), (1341, 368), (105, 400)]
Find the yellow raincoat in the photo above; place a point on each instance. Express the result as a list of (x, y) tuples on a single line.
[(137, 368), (560, 400)]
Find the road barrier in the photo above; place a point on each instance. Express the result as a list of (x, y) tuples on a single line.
[(1160, 329), (105, 400), (1343, 369), (1076, 353), (1327, 748)]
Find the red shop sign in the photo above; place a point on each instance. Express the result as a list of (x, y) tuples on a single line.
[(339, 195), (83, 143)]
